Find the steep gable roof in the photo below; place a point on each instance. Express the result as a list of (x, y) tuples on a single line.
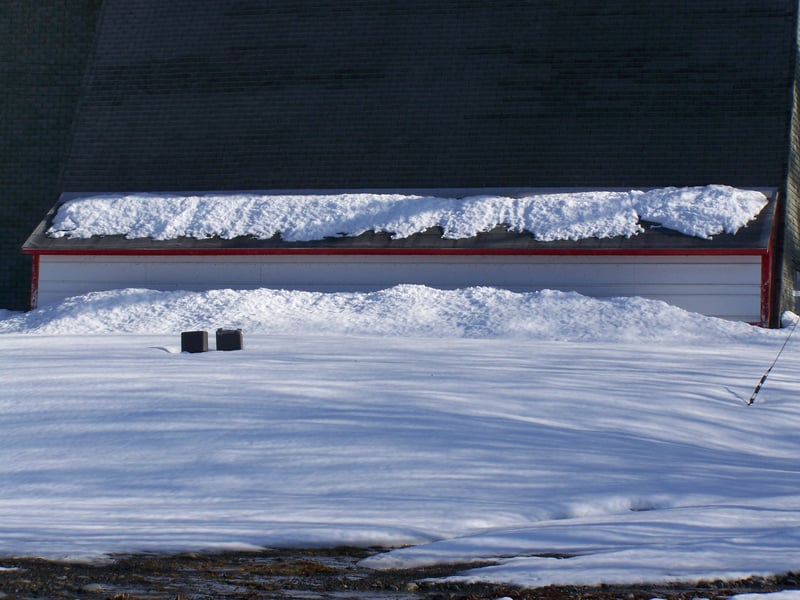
[(191, 94)]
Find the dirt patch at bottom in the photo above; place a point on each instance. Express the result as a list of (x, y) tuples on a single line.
[(308, 575)]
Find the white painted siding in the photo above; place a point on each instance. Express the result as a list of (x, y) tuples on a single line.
[(724, 286)]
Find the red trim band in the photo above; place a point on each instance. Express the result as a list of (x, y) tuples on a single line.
[(407, 251)]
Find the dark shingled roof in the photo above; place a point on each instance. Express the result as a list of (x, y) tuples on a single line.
[(249, 94)]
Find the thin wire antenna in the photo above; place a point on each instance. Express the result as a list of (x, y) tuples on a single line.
[(766, 373)]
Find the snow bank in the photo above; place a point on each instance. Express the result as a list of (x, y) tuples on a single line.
[(698, 211), (401, 311), (785, 595)]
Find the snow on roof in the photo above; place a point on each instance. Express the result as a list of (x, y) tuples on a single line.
[(695, 211)]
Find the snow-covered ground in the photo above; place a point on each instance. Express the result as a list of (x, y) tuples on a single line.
[(563, 439)]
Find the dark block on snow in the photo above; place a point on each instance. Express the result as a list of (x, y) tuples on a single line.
[(229, 339), (194, 341)]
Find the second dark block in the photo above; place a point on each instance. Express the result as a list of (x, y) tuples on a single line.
[(229, 339)]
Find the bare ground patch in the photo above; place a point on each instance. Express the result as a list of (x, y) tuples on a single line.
[(331, 573)]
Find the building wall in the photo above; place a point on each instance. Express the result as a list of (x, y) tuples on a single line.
[(288, 94), (44, 45), (721, 286)]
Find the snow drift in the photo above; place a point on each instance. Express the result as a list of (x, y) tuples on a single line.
[(401, 311)]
